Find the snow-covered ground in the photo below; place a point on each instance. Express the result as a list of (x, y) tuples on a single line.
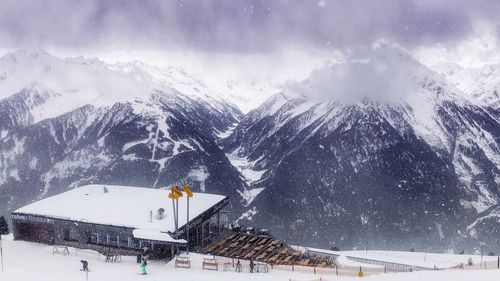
[(25, 261), (420, 258)]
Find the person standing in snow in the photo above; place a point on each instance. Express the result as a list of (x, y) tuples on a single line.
[(251, 265), (143, 267), (238, 266)]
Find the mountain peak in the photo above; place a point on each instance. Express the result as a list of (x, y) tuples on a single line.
[(384, 74), (31, 53)]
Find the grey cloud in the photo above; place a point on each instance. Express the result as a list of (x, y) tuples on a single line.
[(382, 74), (239, 25)]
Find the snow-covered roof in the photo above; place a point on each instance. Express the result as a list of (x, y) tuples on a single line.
[(121, 206), (147, 234)]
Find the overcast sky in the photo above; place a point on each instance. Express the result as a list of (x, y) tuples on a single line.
[(253, 45), (240, 26)]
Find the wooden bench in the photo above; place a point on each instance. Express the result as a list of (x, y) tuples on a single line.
[(288, 258), (322, 264), (305, 262), (182, 262), (274, 258), (61, 250), (210, 264), (270, 249), (262, 256), (263, 241), (113, 257), (261, 267), (275, 242), (221, 252), (249, 255)]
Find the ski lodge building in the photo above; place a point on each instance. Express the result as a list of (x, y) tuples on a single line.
[(121, 219)]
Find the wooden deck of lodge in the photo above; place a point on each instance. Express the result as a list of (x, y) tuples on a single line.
[(263, 249)]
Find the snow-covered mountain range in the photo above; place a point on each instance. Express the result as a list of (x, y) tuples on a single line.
[(482, 84), (379, 150), (68, 122)]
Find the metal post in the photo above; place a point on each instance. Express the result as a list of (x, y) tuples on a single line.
[(187, 226), (176, 215), (218, 223), (202, 236), (177, 224), (482, 247), (173, 207), (197, 236), (1, 252)]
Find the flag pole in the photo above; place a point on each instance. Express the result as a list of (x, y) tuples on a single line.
[(1, 252), (187, 226)]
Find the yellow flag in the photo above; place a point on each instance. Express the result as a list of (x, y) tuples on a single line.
[(176, 191), (187, 190)]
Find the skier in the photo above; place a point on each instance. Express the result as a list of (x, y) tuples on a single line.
[(85, 265), (144, 263)]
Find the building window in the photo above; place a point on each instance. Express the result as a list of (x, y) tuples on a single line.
[(129, 242), (94, 238), (66, 234), (113, 240), (118, 240), (74, 234), (107, 239)]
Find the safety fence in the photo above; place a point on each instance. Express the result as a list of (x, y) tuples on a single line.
[(346, 271), (388, 266)]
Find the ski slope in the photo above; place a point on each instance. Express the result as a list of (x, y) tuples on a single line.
[(25, 261)]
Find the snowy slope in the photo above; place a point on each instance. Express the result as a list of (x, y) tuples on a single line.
[(481, 84), (67, 122), (381, 147), (75, 82)]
